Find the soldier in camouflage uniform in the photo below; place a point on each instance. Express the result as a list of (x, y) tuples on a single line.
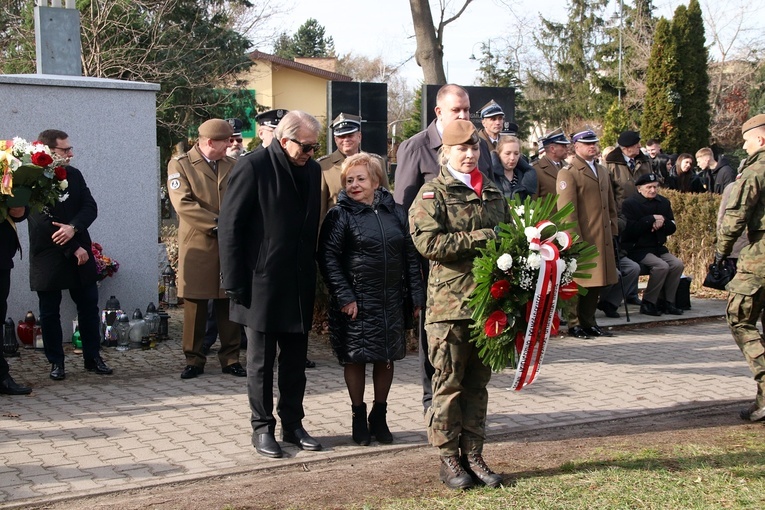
[(745, 209), (452, 216)]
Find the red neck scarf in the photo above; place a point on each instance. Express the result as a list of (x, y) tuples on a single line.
[(476, 181)]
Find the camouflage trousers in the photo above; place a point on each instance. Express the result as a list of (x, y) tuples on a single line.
[(745, 306), (457, 416)]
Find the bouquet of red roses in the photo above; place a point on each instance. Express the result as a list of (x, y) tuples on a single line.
[(30, 175)]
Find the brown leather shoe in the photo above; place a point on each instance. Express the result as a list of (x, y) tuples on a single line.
[(474, 465), (453, 474)]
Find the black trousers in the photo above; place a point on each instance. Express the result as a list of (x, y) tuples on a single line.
[(5, 288), (86, 299), (261, 355)]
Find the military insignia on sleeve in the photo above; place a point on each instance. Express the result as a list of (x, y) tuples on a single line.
[(562, 185), (175, 184), (174, 176), (428, 195)]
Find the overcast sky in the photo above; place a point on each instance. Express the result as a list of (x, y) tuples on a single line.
[(384, 28)]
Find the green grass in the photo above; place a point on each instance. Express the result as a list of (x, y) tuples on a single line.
[(675, 477)]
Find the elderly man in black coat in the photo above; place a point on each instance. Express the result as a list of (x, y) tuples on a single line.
[(9, 245), (649, 222), (267, 234), (60, 258)]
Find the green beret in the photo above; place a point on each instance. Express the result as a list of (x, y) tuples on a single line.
[(216, 129)]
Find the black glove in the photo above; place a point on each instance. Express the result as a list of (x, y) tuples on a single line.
[(238, 295)]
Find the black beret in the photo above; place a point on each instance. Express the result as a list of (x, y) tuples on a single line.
[(628, 138), (646, 179)]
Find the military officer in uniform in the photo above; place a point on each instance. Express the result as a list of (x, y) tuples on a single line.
[(555, 145), (346, 129), (587, 185), (745, 210), (451, 218), (196, 183), (492, 120), (267, 122), (236, 149)]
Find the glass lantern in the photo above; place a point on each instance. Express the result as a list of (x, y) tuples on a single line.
[(171, 290), (122, 326), (10, 344)]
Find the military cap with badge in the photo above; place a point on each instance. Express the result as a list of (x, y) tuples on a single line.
[(236, 125), (586, 136), (345, 124), (271, 118), (491, 109), (555, 136), (647, 179)]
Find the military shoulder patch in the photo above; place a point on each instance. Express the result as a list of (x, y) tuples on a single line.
[(173, 176), (563, 185), (323, 158), (175, 184), (181, 156), (428, 195)]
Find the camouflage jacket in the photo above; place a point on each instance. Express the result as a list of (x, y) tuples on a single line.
[(449, 222), (745, 209)]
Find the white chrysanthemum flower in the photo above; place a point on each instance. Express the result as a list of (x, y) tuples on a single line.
[(63, 184), (533, 261), (505, 262), (531, 233)]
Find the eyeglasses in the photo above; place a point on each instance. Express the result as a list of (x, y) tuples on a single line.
[(64, 149), (306, 147), (237, 140)]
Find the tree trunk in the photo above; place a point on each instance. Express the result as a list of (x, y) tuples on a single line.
[(429, 55)]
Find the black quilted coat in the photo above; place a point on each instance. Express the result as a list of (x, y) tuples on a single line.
[(366, 255)]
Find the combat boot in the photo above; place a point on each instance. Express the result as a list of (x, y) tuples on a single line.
[(378, 427), (753, 413), (360, 430), (474, 465), (452, 473)]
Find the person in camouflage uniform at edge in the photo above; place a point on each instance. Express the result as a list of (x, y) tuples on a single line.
[(745, 209), (452, 216)]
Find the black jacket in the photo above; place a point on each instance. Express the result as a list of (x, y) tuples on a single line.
[(54, 267), (366, 255), (527, 178), (721, 176), (638, 239), (267, 231), (9, 240)]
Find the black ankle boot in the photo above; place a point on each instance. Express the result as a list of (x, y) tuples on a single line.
[(360, 430), (378, 427)]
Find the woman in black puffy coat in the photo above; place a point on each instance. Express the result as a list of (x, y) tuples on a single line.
[(369, 263)]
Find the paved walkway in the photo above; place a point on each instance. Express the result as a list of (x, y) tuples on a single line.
[(144, 425)]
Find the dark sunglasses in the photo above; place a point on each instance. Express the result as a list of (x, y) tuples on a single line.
[(237, 140), (306, 147)]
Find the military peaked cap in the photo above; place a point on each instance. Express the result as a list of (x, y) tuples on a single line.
[(345, 123), (271, 118), (492, 109)]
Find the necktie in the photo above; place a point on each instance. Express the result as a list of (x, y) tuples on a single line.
[(214, 165), (631, 164), (476, 181)]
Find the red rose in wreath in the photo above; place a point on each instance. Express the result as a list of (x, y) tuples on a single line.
[(41, 159), (499, 289), (496, 323), (60, 173)]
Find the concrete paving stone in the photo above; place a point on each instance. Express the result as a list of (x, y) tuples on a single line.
[(53, 489)]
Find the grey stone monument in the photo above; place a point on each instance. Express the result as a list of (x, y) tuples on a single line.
[(57, 34)]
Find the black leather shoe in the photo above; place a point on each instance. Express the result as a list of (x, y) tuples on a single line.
[(598, 331), (453, 474), (191, 372), (235, 369), (476, 467), (301, 439), (671, 309), (634, 300), (266, 445), (753, 413), (309, 363), (608, 309), (578, 332), (98, 366), (10, 387), (57, 372), (648, 308)]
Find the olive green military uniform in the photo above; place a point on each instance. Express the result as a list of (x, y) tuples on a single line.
[(745, 209), (449, 222)]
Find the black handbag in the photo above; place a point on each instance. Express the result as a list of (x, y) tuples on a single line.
[(718, 276)]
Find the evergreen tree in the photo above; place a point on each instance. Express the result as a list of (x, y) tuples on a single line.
[(688, 30), (501, 71), (570, 94), (662, 100), (414, 125), (757, 93), (310, 40), (616, 121)]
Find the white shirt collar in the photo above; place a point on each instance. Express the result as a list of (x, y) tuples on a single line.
[(464, 178)]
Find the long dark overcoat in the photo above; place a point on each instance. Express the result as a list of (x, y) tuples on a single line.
[(53, 266), (267, 235)]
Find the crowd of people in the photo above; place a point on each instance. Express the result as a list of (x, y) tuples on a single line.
[(255, 226)]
